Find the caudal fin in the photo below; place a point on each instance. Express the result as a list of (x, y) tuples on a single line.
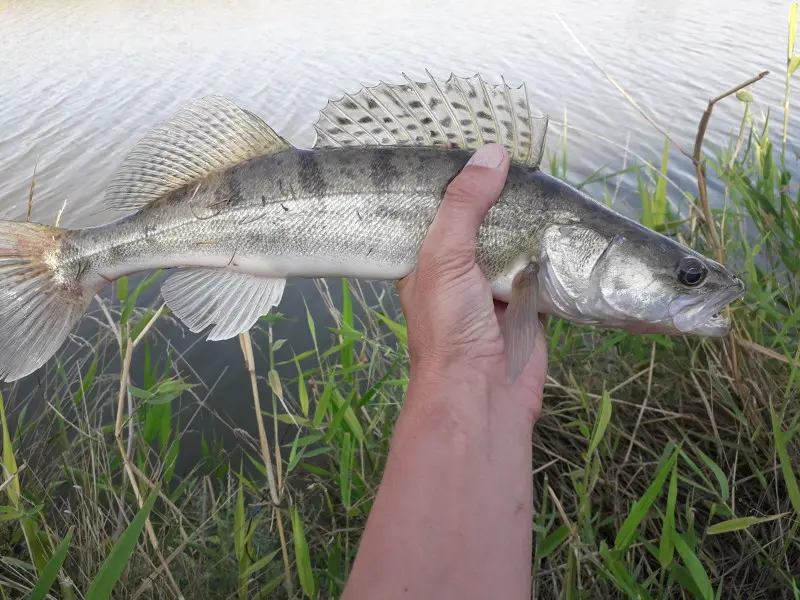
[(38, 306)]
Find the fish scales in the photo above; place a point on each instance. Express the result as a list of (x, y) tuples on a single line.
[(352, 212)]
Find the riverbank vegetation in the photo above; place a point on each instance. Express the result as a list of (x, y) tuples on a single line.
[(664, 467)]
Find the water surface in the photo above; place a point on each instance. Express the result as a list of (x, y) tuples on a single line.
[(80, 82)]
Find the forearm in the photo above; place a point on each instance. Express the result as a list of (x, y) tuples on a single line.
[(452, 518)]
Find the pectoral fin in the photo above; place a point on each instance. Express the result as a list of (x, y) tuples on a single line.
[(521, 320)]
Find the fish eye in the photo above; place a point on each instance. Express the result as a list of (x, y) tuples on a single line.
[(691, 272)]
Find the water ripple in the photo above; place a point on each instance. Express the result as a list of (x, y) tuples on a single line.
[(83, 81)]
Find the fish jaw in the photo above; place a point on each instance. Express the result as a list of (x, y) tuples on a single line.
[(704, 317)]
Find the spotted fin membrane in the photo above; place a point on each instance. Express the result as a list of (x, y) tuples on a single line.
[(462, 112)]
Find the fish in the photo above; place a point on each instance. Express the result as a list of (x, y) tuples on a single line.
[(232, 210)]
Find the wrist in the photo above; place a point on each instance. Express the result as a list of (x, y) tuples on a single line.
[(481, 372), (437, 376), (458, 390)]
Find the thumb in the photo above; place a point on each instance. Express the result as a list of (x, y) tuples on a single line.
[(466, 202)]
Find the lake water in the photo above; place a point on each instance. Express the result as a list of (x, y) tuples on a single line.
[(80, 82)]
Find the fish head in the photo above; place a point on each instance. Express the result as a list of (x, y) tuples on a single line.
[(643, 282), (702, 288)]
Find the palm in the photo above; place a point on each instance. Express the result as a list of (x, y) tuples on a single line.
[(462, 316), (453, 320)]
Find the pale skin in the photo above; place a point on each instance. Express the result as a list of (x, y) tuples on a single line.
[(452, 516)]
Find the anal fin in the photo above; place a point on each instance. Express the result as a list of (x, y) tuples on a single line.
[(521, 321), (231, 302)]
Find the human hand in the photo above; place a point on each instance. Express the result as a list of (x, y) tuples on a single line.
[(432, 532), (455, 327)]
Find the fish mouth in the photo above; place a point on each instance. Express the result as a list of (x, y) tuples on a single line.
[(703, 316)]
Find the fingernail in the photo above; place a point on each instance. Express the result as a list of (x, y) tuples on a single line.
[(488, 156)]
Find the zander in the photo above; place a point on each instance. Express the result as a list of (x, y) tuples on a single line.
[(218, 195)]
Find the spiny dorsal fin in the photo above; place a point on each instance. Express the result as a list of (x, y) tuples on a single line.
[(231, 302), (206, 135), (465, 112)]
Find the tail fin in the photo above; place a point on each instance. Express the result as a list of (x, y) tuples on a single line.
[(38, 307)]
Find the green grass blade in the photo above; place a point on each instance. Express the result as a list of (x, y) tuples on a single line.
[(570, 587), (302, 392), (87, 379), (19, 564), (302, 556), (344, 412), (110, 571), (52, 568), (33, 538), (9, 461), (122, 289), (556, 335), (400, 332), (371, 392), (620, 575), (740, 523), (346, 352), (786, 464), (642, 506), (792, 28), (264, 593), (143, 322), (323, 403), (665, 547), (721, 478), (312, 328), (719, 591), (260, 564), (693, 565), (603, 418), (345, 467), (10, 513), (684, 578), (647, 203), (130, 303), (239, 529), (553, 541), (659, 210), (794, 62)]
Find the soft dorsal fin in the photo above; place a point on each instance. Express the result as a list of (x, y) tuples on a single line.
[(461, 112), (206, 135)]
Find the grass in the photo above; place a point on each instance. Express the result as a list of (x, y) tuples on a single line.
[(664, 467)]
